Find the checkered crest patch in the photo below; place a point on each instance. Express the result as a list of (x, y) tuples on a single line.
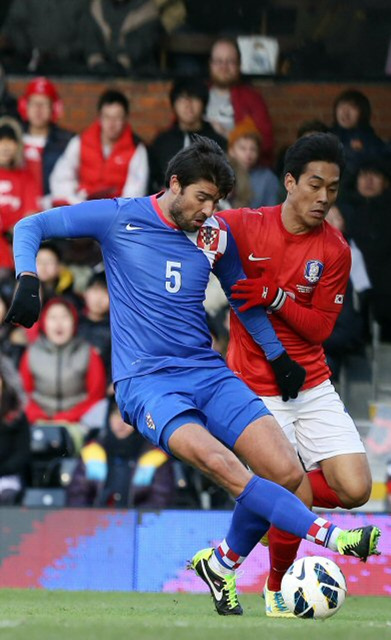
[(208, 238)]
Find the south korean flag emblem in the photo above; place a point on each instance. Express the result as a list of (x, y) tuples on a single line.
[(313, 270), (208, 239)]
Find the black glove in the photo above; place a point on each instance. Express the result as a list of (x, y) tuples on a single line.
[(26, 303), (289, 374)]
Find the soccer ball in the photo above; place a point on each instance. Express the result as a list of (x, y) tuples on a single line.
[(314, 587)]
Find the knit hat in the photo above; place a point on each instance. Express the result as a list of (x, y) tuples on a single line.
[(246, 128), (43, 87)]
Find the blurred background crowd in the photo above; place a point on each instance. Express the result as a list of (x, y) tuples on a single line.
[(60, 429)]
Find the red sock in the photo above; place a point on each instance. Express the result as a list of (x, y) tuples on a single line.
[(324, 496), (283, 547)]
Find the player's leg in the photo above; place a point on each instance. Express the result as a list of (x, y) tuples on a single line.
[(320, 422), (349, 476), (257, 501), (328, 438)]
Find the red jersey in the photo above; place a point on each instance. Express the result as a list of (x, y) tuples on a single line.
[(19, 196), (313, 268)]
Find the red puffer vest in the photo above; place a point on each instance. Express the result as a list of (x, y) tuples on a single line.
[(100, 174)]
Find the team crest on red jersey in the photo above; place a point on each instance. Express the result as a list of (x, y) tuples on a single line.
[(208, 239), (313, 270)]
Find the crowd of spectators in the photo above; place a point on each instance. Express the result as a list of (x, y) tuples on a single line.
[(64, 378), (122, 37)]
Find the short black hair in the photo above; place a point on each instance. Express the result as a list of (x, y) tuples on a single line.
[(7, 132), (191, 88), (312, 126), (202, 160), (324, 147), (359, 100), (97, 277), (111, 96), (53, 247)]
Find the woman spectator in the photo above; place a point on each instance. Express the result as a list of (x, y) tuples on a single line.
[(352, 115), (62, 374), (14, 435), (19, 192)]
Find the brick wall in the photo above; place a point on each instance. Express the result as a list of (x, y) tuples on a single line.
[(290, 103)]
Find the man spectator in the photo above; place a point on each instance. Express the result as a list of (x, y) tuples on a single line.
[(106, 160), (188, 100), (44, 141), (230, 101)]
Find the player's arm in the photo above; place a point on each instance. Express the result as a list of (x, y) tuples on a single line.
[(88, 219), (314, 323), (290, 376)]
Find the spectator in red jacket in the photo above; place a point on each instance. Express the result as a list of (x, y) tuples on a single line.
[(106, 160), (230, 101), (19, 192), (62, 374), (44, 140)]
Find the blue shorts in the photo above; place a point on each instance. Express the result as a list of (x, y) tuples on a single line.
[(158, 403)]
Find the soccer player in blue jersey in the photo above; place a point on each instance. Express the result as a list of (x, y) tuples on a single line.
[(169, 383)]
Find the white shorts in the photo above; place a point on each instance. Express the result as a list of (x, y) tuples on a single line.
[(317, 424)]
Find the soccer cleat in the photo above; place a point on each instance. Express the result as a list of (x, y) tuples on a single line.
[(361, 542), (222, 588), (275, 606)]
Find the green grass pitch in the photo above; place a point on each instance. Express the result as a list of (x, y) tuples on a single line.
[(89, 615)]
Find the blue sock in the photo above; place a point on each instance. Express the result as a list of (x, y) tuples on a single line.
[(245, 531), (284, 510)]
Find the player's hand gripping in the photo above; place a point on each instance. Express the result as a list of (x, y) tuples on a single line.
[(259, 291), (26, 303), (289, 374)]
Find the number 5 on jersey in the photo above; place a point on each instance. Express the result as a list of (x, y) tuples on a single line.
[(173, 276)]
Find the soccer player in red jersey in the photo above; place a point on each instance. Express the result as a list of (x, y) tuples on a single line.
[(298, 267)]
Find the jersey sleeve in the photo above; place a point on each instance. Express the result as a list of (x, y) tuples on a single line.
[(330, 291), (88, 219), (316, 323), (228, 270)]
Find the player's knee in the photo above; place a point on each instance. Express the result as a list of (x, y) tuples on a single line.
[(290, 476), (357, 495), (226, 470)]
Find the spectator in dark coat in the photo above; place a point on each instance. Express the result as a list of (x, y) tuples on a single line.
[(188, 100), (94, 324), (43, 36), (368, 219), (118, 468), (121, 35), (14, 435), (8, 103), (352, 115)]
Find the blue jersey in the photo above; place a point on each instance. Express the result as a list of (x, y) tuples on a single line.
[(157, 275)]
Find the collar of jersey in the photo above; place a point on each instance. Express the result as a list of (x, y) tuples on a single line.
[(159, 212)]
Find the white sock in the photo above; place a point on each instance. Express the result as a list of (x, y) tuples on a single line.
[(332, 543), (218, 568)]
